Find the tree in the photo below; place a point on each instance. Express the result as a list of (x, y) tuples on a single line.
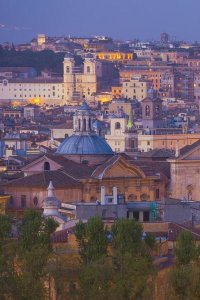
[(34, 252), (132, 262), (92, 240), (36, 230), (184, 278), (186, 249), (8, 276), (5, 227), (127, 236)]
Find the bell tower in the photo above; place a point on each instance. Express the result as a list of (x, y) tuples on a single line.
[(89, 77), (152, 111), (68, 76)]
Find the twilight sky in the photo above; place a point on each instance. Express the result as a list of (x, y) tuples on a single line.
[(21, 20)]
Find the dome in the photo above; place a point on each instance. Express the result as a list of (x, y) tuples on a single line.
[(84, 144), (84, 106)]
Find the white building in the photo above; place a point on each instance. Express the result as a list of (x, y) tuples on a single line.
[(136, 87), (117, 138), (76, 83)]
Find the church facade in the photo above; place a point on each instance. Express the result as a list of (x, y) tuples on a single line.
[(76, 83), (81, 166)]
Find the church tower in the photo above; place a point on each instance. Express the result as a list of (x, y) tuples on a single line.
[(152, 111), (89, 78), (68, 76)]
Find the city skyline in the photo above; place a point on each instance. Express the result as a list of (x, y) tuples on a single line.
[(134, 19)]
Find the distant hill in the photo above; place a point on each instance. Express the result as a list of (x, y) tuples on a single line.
[(40, 60)]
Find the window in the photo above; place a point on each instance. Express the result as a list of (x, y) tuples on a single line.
[(146, 216), (132, 197), (35, 201), (88, 69), (117, 125), (67, 69), (98, 189), (136, 215), (11, 201), (157, 193), (147, 111), (47, 166), (23, 201)]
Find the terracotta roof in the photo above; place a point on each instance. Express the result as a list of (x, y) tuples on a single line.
[(60, 236), (188, 148), (72, 168), (151, 168), (158, 153), (175, 230), (41, 180), (36, 80)]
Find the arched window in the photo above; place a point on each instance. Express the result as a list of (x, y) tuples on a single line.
[(88, 69), (147, 111), (144, 197), (117, 125), (157, 109), (47, 166), (67, 69), (132, 197), (84, 124)]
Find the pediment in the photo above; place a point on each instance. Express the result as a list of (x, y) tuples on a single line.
[(120, 169), (38, 165)]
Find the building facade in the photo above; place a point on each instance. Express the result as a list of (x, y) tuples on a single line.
[(77, 82), (136, 88)]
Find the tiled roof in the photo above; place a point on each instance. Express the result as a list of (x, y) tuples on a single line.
[(60, 236), (158, 153), (176, 229), (72, 168), (188, 148), (151, 168), (36, 80), (41, 180)]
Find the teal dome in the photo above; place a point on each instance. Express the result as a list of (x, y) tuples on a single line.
[(84, 144)]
